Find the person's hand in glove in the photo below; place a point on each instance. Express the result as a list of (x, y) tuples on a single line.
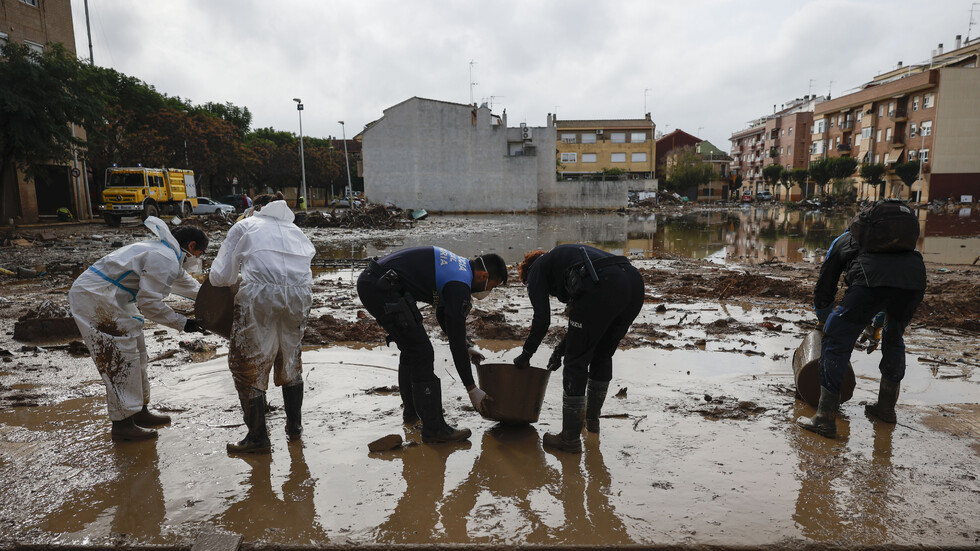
[(193, 326), (481, 400), (475, 357), (523, 361), (554, 362)]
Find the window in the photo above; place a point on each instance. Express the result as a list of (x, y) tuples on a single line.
[(928, 101), (588, 157), (618, 137), (860, 115), (588, 137), (618, 158), (4, 39), (881, 110), (30, 2), (865, 133), (568, 138), (915, 103), (888, 134), (35, 47), (819, 126), (891, 109), (912, 154), (878, 138), (638, 137), (789, 150), (638, 157), (569, 158), (878, 158), (927, 128), (790, 130), (924, 155)]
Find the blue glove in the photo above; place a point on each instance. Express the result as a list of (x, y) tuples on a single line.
[(823, 313)]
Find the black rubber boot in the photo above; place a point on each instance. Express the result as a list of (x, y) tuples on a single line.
[(572, 417), (127, 429), (292, 398), (145, 418), (884, 409), (257, 439), (409, 415), (595, 395), (824, 422), (428, 402)]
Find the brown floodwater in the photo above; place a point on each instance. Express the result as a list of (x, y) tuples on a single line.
[(669, 465)]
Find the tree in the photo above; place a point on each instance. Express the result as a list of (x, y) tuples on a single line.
[(820, 173), (770, 174), (908, 172), (842, 167), (873, 175), (687, 171), (41, 97), (786, 178), (799, 176)]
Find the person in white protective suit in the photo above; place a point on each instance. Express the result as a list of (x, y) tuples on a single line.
[(111, 301), (271, 306)]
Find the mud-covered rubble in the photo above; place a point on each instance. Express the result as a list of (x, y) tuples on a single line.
[(370, 216)]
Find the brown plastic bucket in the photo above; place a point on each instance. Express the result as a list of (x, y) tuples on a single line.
[(806, 371), (214, 308), (517, 393)]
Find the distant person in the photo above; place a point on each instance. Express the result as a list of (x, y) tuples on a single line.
[(604, 294), (259, 202), (111, 301), (389, 289), (889, 278), (272, 304)]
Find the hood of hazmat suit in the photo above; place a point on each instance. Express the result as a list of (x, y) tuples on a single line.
[(272, 256)]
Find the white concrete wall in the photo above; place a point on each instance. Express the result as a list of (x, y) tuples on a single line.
[(584, 195)]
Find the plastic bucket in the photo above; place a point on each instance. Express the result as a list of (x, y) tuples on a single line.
[(806, 371), (214, 308), (517, 393)]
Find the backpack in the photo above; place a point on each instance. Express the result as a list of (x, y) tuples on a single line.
[(888, 226)]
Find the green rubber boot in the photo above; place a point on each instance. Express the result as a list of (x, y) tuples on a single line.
[(824, 422), (884, 409), (572, 418)]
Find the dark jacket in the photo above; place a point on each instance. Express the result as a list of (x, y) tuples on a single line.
[(905, 270), (546, 279)]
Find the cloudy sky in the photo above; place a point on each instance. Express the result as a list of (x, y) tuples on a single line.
[(704, 66)]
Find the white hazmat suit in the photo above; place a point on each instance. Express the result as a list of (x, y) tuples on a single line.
[(110, 302), (274, 298)]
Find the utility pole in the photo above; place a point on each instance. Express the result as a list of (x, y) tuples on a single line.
[(302, 158), (88, 28)]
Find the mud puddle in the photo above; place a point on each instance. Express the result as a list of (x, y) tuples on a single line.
[(661, 469)]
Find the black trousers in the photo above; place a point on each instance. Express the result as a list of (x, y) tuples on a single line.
[(416, 363), (597, 321)]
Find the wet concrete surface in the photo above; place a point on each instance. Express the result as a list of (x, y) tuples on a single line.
[(698, 445)]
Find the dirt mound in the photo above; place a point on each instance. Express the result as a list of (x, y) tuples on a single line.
[(211, 222), (369, 216), (725, 285), (46, 310), (953, 304), (327, 329), (494, 326)]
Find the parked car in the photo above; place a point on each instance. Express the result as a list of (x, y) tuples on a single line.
[(764, 196), (207, 205), (345, 202), (234, 200), (746, 198)]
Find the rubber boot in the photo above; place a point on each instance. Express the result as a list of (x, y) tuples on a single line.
[(257, 439), (428, 403), (884, 409), (595, 395), (409, 415), (572, 417), (292, 398), (127, 429), (824, 422), (145, 418)]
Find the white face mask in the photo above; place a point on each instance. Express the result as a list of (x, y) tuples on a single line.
[(192, 264), (481, 295)]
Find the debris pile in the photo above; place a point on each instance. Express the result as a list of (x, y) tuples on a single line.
[(327, 329), (370, 216)]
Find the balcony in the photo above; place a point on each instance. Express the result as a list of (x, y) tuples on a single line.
[(897, 141), (899, 115), (847, 126), (844, 147)]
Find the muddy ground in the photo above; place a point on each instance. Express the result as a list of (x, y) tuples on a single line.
[(698, 446)]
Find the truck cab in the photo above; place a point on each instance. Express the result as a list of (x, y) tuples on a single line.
[(144, 192)]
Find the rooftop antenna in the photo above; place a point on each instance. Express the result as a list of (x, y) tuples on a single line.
[(646, 91), (830, 88), (809, 89), (491, 101), (472, 84), (700, 128), (969, 29)]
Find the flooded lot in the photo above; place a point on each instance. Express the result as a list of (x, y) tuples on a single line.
[(698, 444)]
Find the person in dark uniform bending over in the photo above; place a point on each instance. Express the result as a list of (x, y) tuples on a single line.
[(604, 294), (389, 289)]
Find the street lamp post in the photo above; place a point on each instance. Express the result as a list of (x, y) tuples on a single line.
[(302, 158), (918, 192), (343, 134)]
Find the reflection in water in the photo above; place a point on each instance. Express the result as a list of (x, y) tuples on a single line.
[(512, 475), (416, 516), (747, 234), (135, 495), (262, 515)]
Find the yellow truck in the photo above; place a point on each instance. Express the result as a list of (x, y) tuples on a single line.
[(143, 192)]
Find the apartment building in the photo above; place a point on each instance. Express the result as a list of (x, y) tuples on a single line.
[(928, 112), (589, 148), (36, 23), (781, 138)]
